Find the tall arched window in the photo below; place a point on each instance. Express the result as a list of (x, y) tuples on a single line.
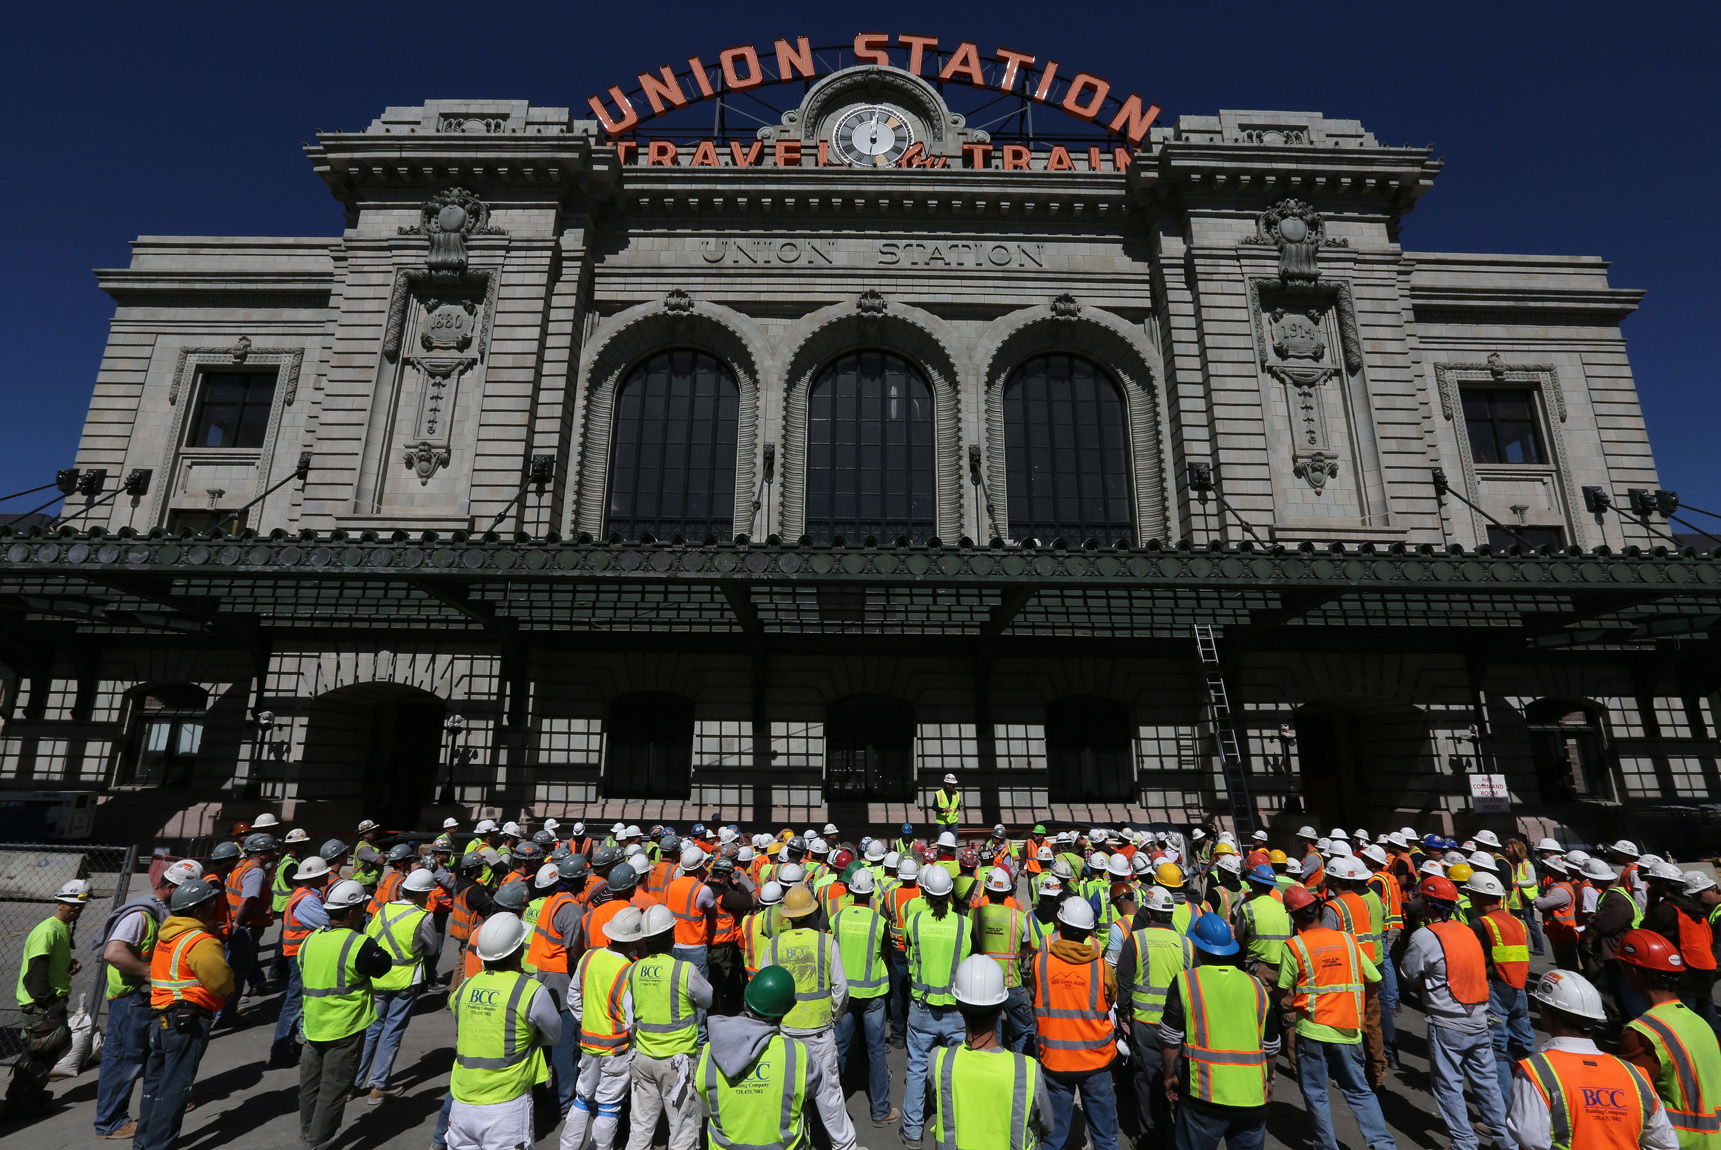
[(648, 746), (1090, 749), (672, 453), (869, 748), (870, 456), (1065, 452)]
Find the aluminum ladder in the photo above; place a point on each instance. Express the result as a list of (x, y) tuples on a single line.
[(1236, 773)]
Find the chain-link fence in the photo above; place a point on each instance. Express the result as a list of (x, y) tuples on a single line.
[(30, 873)]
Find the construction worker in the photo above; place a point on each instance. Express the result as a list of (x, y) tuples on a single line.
[(1571, 1096), (1152, 956), (471, 905), (735, 901), (303, 914), (400, 861), (503, 1021), (1684, 922), (946, 806), (336, 966), (694, 905), (125, 943), (1617, 912), (862, 939), (1325, 973), (1263, 926), (45, 973), (190, 979), (668, 994), (367, 860), (821, 996), (1225, 887), (1032, 843), (1074, 991), (403, 928), (613, 895), (969, 1081), (1670, 1043), (1314, 867), (937, 939), (757, 927), (1560, 911), (557, 941), (222, 860), (753, 1079), (1505, 946), (598, 995), (1357, 910), (1218, 1018), (248, 903), (1002, 933), (293, 847), (903, 894), (1384, 889), (1448, 965)]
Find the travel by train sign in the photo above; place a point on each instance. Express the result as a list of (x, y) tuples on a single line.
[(1004, 74)]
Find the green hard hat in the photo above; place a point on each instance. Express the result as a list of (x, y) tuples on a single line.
[(771, 993)]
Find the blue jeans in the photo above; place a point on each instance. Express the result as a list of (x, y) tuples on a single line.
[(1202, 1127), (1509, 1020), (1344, 1064), (928, 1026), (382, 1040), (439, 1139), (1389, 1008), (897, 961), (1533, 924), (292, 1005), (869, 1014), (1017, 1021), (168, 1074), (565, 1062), (1099, 1103), (242, 957), (125, 1047), (1456, 1057)]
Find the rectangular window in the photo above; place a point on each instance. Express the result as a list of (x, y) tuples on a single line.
[(1535, 538), (648, 747), (232, 409), (1503, 425), (163, 752), (200, 520), (1090, 750)]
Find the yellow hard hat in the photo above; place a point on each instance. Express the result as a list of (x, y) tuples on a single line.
[(1277, 857), (1224, 849), (1168, 875), (799, 902), (1460, 872)]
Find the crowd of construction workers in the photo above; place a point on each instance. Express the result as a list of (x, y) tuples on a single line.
[(642, 987)]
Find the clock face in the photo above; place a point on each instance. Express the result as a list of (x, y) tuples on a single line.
[(872, 136)]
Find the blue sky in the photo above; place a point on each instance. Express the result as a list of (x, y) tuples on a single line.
[(1567, 128)]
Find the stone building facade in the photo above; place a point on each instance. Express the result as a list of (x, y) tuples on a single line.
[(1228, 303)]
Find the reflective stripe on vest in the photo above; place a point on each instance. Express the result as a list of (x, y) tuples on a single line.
[(805, 954), (1225, 1011), (495, 1057), (118, 982), (742, 1115), (1599, 1121), (1357, 918), (998, 930), (755, 933), (1696, 941), (1070, 1009), (949, 806), (1622, 892), (395, 933), (602, 978), (294, 932), (1508, 946), (281, 885), (1267, 925), (386, 890), (691, 925), (463, 921), (1385, 888), (665, 1019), (1678, 1034), (965, 1110), (235, 898), (1160, 953), (171, 978), (1336, 1003), (932, 968), (1562, 921), (1466, 969), (548, 950), (859, 932), (338, 1000)]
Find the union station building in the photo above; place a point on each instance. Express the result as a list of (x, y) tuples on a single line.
[(768, 474)]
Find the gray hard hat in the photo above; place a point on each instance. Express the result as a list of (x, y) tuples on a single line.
[(573, 866), (514, 895), (527, 850), (191, 894), (623, 877), (544, 838), (260, 842), (226, 850), (399, 852), (605, 857), (334, 848)]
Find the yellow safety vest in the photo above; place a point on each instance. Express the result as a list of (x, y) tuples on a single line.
[(968, 1087), (395, 928), (496, 1057), (665, 1020), (806, 954), (761, 1108), (337, 997)]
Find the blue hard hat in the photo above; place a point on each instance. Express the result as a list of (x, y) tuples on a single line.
[(907, 828), (698, 828), (1431, 841), (1212, 935), (1264, 875)]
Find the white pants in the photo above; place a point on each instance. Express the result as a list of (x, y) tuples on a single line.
[(663, 1086), (494, 1126), (833, 1107), (598, 1095)]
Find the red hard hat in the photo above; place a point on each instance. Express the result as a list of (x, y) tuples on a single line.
[(1443, 889), (1298, 897), (1650, 950), (842, 859)]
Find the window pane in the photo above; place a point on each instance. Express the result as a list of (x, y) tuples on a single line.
[(672, 453), (1503, 426), (232, 410), (1065, 458), (870, 459)]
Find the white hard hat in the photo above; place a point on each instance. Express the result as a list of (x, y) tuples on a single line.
[(693, 858), (264, 821), (1076, 913), (1487, 839), (1666, 870), (312, 866), (791, 874), (1647, 861), (1570, 993), (1228, 837), (1307, 832), (830, 829), (503, 933), (627, 926), (1339, 833), (999, 880), (548, 876), (1453, 858), (1099, 861), (1061, 868), (1482, 860), (183, 870), (632, 832), (367, 825), (419, 882), (1197, 834), (947, 839), (76, 892), (657, 919), (1482, 882), (1052, 885), (1558, 864), (1375, 854), (344, 895), (875, 851), (1360, 835), (979, 981), (296, 835), (1258, 837), (891, 861), (862, 882), (771, 893), (908, 870), (818, 846), (1696, 882), (1339, 850), (485, 826), (1349, 868), (727, 834), (950, 778), (1624, 847), (619, 830), (1548, 844), (1577, 858), (450, 824), (746, 855), (1044, 854), (551, 825), (511, 828), (1141, 862), (1324, 845), (1118, 866), (937, 880), (1230, 864), (1598, 871), (1159, 899), (1433, 867)]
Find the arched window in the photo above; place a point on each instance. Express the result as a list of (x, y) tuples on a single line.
[(1065, 453), (870, 456), (672, 453), (1090, 749), (869, 748), (166, 734), (648, 746)]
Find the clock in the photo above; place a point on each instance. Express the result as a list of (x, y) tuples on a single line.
[(872, 136)]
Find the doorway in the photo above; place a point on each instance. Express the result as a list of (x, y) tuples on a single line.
[(377, 745)]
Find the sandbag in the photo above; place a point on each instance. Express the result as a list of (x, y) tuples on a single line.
[(86, 1047)]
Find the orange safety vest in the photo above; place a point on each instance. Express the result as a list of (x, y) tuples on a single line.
[(1595, 1101), (464, 921), (1391, 897), (599, 918), (438, 901), (900, 897), (657, 879), (171, 978), (1562, 923), (235, 883), (1507, 941), (1329, 977), (1031, 854), (833, 896), (224, 927), (1356, 918), (692, 928), (385, 890), (470, 964), (547, 950), (293, 932), (1313, 878), (1072, 1015), (1466, 967), (728, 927), (1696, 941)]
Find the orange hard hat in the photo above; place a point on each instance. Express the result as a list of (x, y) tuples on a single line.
[(1650, 950), (1299, 897)]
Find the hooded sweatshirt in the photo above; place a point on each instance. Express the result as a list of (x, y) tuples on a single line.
[(737, 1042), (207, 959)]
